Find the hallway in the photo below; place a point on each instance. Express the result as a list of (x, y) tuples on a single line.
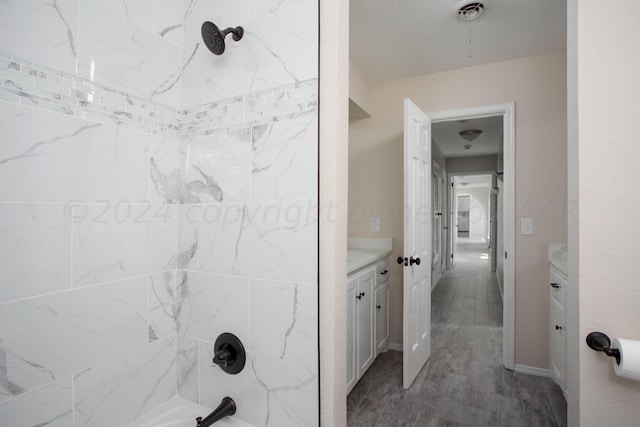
[(464, 382)]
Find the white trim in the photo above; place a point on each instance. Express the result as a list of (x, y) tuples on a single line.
[(395, 346), (532, 370), (507, 110)]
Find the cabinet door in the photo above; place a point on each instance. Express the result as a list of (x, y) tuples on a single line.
[(557, 342), (365, 321), (382, 318), (352, 367)]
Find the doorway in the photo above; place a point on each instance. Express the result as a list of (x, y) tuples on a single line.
[(507, 173)]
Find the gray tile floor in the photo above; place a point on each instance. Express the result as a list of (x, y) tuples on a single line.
[(464, 382)]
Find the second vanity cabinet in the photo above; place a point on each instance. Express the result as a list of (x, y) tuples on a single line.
[(367, 317), (558, 327)]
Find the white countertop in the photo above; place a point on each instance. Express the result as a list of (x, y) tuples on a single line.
[(363, 251), (358, 258), (558, 257)]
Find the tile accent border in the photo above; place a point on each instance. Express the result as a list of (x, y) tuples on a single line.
[(23, 82)]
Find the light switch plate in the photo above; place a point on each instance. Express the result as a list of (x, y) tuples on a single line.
[(375, 224), (526, 226)]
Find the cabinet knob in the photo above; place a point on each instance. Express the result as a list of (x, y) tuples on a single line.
[(413, 260), (555, 285), (558, 327), (378, 307)]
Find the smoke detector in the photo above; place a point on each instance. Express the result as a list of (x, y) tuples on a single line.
[(470, 11)]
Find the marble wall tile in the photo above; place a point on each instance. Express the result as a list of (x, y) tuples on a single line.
[(120, 54), (120, 240), (35, 249), (284, 320), (188, 368), (223, 13), (162, 305), (168, 20), (60, 333), (139, 12), (278, 50), (188, 216), (285, 158), (43, 32), (268, 392), (193, 60), (164, 170), (117, 391), (209, 305), (216, 168), (49, 406), (265, 8), (270, 240), (64, 158)]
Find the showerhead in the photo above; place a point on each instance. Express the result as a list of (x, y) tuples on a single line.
[(214, 38)]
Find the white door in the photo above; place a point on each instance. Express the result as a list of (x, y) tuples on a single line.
[(416, 329), (453, 223)]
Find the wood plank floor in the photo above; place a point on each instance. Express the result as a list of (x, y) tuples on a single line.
[(464, 382)]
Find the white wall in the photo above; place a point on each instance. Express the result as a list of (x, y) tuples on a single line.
[(604, 95)]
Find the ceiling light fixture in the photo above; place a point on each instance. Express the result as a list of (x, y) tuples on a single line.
[(470, 134), (470, 11)]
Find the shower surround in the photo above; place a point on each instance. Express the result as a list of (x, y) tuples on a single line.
[(153, 196)]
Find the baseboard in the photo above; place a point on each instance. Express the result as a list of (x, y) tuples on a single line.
[(532, 370), (395, 346)]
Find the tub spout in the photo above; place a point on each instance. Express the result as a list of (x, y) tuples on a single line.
[(226, 408)]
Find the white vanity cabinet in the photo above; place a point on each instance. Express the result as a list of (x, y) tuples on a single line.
[(360, 324), (367, 316), (383, 273), (558, 327)]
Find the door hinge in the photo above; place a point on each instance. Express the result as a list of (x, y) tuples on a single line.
[(505, 254)]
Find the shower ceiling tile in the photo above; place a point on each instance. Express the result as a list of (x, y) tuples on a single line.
[(120, 54), (113, 241), (35, 250), (43, 32), (64, 158), (69, 331), (274, 51)]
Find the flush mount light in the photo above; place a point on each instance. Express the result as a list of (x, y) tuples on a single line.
[(470, 134), (470, 11), (467, 146)]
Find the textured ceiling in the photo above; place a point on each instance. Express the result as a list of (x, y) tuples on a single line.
[(446, 135), (393, 39)]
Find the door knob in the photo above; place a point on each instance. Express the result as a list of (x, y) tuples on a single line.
[(555, 285), (558, 327), (384, 272), (378, 307), (413, 260), (358, 296)]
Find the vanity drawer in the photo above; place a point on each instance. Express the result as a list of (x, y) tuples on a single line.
[(557, 284)]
